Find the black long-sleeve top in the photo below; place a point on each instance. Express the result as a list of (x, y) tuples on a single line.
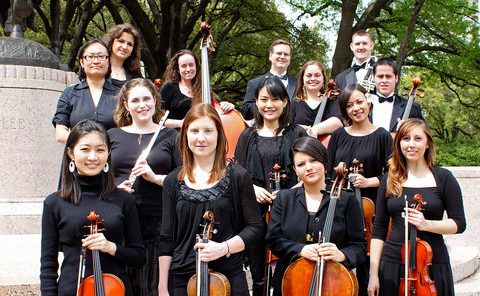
[(235, 210), (76, 104), (63, 229), (372, 150), (445, 197), (163, 158), (301, 112), (289, 226), (173, 100)]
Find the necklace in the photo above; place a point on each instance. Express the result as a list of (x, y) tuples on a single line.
[(139, 140)]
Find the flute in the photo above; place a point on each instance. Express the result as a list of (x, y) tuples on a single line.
[(144, 154)]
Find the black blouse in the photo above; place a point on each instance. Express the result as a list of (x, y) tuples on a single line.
[(301, 112), (163, 158), (128, 76), (446, 197), (372, 150), (173, 100), (232, 201), (76, 104)]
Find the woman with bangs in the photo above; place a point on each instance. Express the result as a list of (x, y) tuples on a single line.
[(206, 181), (412, 170), (259, 148)]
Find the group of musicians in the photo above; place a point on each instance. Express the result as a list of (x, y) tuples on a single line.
[(152, 161)]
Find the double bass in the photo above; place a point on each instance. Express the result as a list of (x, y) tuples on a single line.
[(417, 257), (232, 121), (329, 93), (367, 205), (305, 277), (205, 282), (98, 284)]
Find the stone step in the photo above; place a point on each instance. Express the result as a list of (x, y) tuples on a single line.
[(464, 261), (469, 286)]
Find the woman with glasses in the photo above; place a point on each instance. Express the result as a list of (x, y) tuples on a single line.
[(124, 43), (92, 98), (305, 106)]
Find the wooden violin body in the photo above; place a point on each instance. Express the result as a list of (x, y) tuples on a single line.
[(368, 208), (416, 257), (98, 284), (297, 283), (419, 280), (206, 282)]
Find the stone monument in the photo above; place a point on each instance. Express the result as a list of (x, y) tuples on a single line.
[(31, 80)]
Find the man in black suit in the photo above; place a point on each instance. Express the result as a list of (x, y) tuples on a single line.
[(279, 56), (361, 70), (388, 107)]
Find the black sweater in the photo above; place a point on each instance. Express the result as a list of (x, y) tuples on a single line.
[(62, 229)]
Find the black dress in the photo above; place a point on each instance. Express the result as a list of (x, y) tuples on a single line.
[(63, 227), (232, 201), (173, 100), (163, 158), (372, 150), (76, 104), (446, 197), (290, 226), (301, 112), (128, 76)]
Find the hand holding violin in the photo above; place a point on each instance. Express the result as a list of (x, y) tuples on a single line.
[(97, 241), (416, 218), (211, 251), (263, 196)]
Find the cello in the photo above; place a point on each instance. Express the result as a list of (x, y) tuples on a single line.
[(232, 121), (98, 284), (414, 91), (305, 277), (206, 282), (330, 91), (417, 257), (367, 205)]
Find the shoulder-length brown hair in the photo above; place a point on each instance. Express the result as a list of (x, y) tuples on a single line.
[(220, 162), (398, 171), (301, 93), (69, 187), (132, 63), (172, 74), (121, 115)]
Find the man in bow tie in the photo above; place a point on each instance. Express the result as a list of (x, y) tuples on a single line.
[(388, 107), (361, 70), (279, 56)]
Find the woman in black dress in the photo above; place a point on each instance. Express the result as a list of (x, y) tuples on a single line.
[(259, 148), (412, 171), (183, 87), (92, 98), (137, 115), (87, 184), (124, 43), (299, 214), (206, 181), (305, 106), (361, 140)]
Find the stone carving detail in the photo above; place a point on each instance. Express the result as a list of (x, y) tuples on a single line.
[(19, 51)]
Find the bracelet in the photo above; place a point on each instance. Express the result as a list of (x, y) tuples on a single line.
[(228, 250)]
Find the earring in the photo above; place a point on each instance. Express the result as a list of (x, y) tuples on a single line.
[(71, 166), (106, 168)]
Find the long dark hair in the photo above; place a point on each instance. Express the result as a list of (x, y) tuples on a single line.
[(276, 89), (81, 71), (312, 147), (132, 63), (69, 187)]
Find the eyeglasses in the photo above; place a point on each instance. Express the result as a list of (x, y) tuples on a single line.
[(91, 57)]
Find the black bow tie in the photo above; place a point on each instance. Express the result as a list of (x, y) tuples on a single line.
[(282, 77), (383, 99), (358, 67)]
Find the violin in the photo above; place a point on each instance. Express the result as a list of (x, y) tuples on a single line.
[(329, 93), (417, 257), (98, 284), (367, 205), (232, 121), (206, 282), (270, 258), (305, 277)]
